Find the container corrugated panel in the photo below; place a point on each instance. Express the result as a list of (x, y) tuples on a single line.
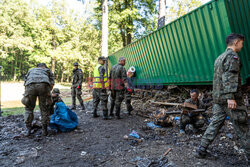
[(239, 19), (183, 52)]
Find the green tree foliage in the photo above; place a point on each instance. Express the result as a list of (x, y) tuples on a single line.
[(182, 7), (30, 33), (128, 20)]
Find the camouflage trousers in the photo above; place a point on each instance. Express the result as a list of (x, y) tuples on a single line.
[(76, 93), (128, 101), (117, 97), (100, 95), (240, 123), (42, 91), (197, 120)]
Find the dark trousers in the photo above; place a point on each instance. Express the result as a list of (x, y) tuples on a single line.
[(42, 91), (117, 97), (100, 95), (76, 93)]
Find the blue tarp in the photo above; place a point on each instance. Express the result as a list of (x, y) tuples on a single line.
[(63, 118)]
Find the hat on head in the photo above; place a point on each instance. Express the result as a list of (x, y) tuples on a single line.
[(56, 91), (101, 58), (75, 64)]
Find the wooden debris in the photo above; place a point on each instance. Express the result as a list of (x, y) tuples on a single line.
[(88, 98), (191, 106), (168, 104), (166, 153)]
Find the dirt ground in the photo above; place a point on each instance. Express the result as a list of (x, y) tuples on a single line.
[(98, 142)]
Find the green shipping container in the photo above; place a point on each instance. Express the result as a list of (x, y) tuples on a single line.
[(183, 52)]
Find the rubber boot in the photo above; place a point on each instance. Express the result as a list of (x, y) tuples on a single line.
[(105, 115), (44, 130)]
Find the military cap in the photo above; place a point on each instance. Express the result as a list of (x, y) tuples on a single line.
[(56, 91), (121, 58), (75, 64), (101, 58), (41, 65)]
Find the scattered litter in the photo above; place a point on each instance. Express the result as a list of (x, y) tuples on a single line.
[(176, 118), (83, 153), (229, 135), (125, 137), (166, 153), (134, 134), (144, 163), (152, 125), (26, 154)]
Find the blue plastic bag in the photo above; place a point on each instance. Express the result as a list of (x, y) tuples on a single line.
[(63, 118), (152, 125), (134, 134)]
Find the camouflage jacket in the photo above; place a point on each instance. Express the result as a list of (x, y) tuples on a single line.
[(118, 77), (227, 80), (199, 103), (77, 78), (39, 75), (56, 99)]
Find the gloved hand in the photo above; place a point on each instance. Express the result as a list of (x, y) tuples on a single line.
[(129, 90), (78, 87)]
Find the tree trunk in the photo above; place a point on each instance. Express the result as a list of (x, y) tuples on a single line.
[(104, 44), (130, 22), (53, 65), (162, 12), (12, 67), (62, 78), (15, 66), (20, 64)]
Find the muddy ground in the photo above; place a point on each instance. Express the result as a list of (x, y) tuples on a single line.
[(98, 142)]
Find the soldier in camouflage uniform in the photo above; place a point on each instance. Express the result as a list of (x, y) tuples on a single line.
[(227, 95), (38, 83), (118, 84), (100, 85), (130, 90), (195, 119), (76, 89)]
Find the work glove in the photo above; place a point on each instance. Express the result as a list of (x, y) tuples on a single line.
[(78, 87), (129, 90)]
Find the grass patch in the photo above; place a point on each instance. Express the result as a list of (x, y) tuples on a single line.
[(21, 110), (15, 111)]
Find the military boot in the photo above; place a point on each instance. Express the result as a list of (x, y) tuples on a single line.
[(82, 106), (73, 107), (27, 131), (201, 152), (117, 113), (44, 130), (111, 110), (130, 109), (95, 115), (105, 115)]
